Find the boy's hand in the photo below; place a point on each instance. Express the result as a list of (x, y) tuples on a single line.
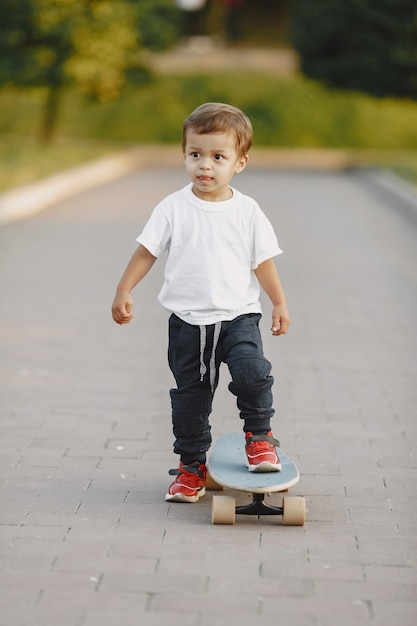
[(280, 320), (122, 308)]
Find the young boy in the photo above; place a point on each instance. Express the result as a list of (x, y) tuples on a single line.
[(220, 249)]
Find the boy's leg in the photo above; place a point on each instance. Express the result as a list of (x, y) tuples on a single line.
[(191, 406), (191, 402), (252, 383), (250, 371)]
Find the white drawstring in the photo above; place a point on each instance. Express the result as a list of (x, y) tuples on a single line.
[(203, 368), (212, 364), (216, 335)]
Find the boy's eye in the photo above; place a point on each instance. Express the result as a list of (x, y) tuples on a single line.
[(218, 157), (194, 154)]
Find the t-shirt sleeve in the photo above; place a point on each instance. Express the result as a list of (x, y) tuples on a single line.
[(156, 235), (264, 243)]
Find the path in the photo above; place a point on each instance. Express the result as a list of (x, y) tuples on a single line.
[(86, 538)]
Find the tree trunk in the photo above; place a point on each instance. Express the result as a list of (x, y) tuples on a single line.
[(50, 114)]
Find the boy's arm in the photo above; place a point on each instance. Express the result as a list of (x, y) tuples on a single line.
[(138, 266), (267, 275)]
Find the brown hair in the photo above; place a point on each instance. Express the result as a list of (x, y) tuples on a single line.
[(216, 117)]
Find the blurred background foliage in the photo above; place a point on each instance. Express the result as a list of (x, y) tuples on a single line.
[(79, 78), (366, 45)]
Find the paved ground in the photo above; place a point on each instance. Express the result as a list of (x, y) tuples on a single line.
[(86, 538), (204, 54)]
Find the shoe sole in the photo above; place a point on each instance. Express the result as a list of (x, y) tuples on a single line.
[(265, 467), (181, 497)]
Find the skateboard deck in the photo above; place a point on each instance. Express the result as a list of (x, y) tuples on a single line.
[(227, 467)]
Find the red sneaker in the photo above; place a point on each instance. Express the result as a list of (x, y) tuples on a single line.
[(189, 485), (262, 454)]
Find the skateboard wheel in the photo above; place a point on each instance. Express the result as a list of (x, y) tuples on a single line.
[(223, 510), (212, 485), (294, 511)]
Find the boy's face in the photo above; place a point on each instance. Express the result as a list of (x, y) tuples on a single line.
[(211, 161)]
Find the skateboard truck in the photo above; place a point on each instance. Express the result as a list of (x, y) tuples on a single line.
[(259, 507)]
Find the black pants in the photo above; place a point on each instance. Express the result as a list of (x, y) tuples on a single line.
[(196, 370)]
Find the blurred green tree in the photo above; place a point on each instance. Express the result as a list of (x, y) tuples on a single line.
[(92, 44), (364, 45), (160, 24)]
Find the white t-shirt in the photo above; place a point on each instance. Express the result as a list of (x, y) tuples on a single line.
[(213, 248)]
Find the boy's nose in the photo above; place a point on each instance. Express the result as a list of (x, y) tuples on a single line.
[(205, 164)]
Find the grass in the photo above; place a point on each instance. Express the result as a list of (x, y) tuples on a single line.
[(24, 160), (286, 113)]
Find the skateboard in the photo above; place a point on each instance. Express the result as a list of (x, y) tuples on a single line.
[(227, 467)]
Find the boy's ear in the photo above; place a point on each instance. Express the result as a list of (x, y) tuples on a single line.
[(242, 163)]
